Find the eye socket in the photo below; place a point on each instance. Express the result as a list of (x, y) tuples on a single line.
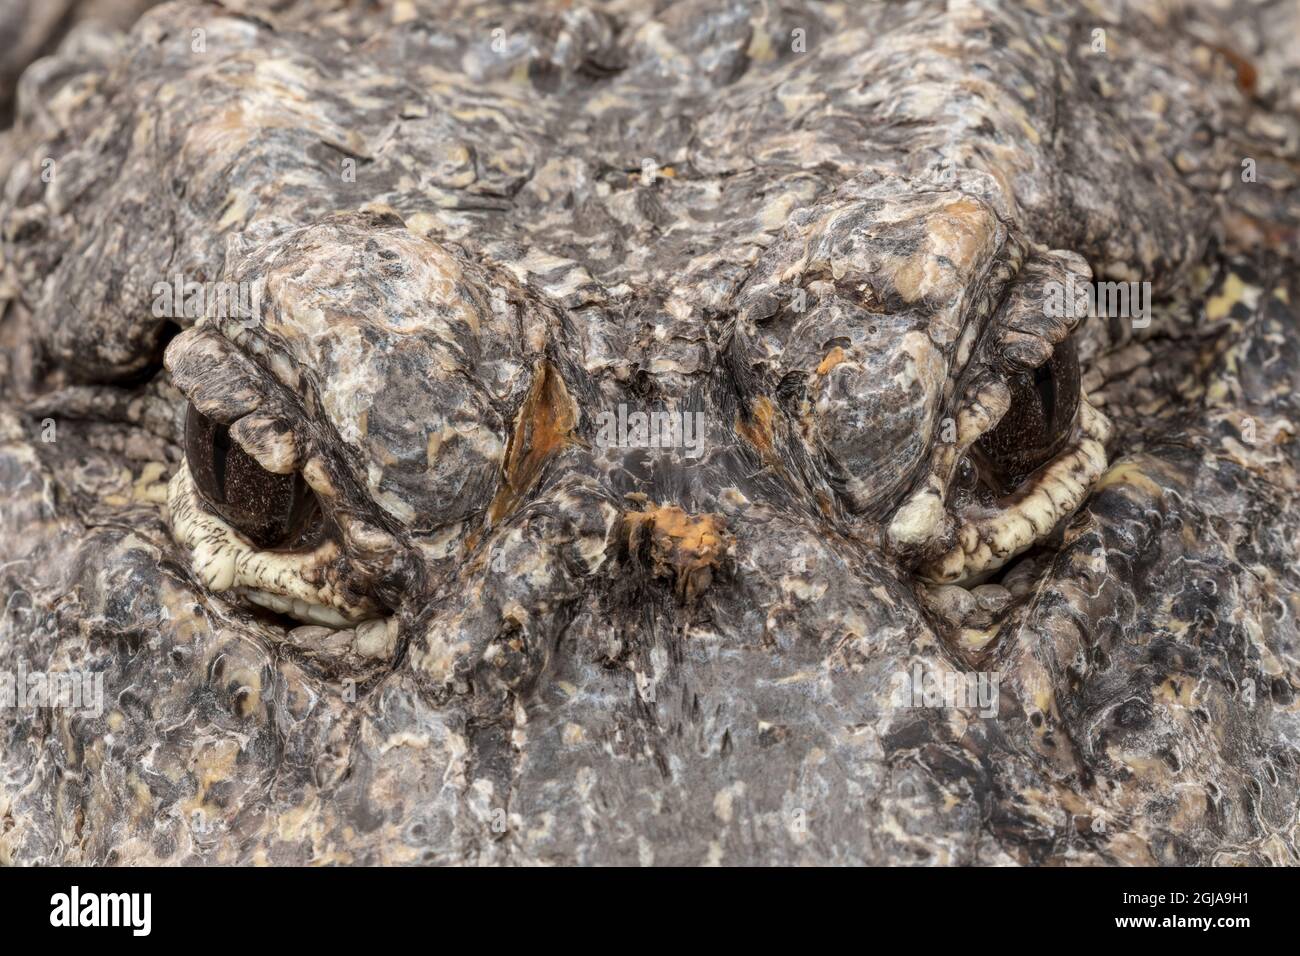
[(272, 511), (1038, 423)]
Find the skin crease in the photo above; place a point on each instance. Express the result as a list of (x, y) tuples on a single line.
[(515, 644)]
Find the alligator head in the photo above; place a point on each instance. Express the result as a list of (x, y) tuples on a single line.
[(833, 433)]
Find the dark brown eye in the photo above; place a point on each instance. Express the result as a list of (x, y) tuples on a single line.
[(272, 511), (1038, 423)]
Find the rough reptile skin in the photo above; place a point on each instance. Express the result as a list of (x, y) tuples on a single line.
[(829, 234)]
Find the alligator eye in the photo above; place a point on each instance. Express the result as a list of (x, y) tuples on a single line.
[(1038, 423), (270, 510)]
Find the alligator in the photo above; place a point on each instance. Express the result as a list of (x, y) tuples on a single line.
[(648, 432)]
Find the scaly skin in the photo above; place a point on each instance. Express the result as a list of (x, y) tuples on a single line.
[(472, 230)]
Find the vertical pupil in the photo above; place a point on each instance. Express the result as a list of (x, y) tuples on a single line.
[(1038, 423), (1045, 386), (220, 455), (268, 508)]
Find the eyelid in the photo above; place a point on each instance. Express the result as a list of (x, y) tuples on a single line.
[(1025, 332), (218, 380), (226, 387), (269, 441)]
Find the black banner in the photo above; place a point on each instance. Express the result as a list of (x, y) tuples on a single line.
[(361, 907)]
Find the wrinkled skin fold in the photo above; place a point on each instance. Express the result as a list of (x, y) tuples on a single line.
[(825, 242)]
